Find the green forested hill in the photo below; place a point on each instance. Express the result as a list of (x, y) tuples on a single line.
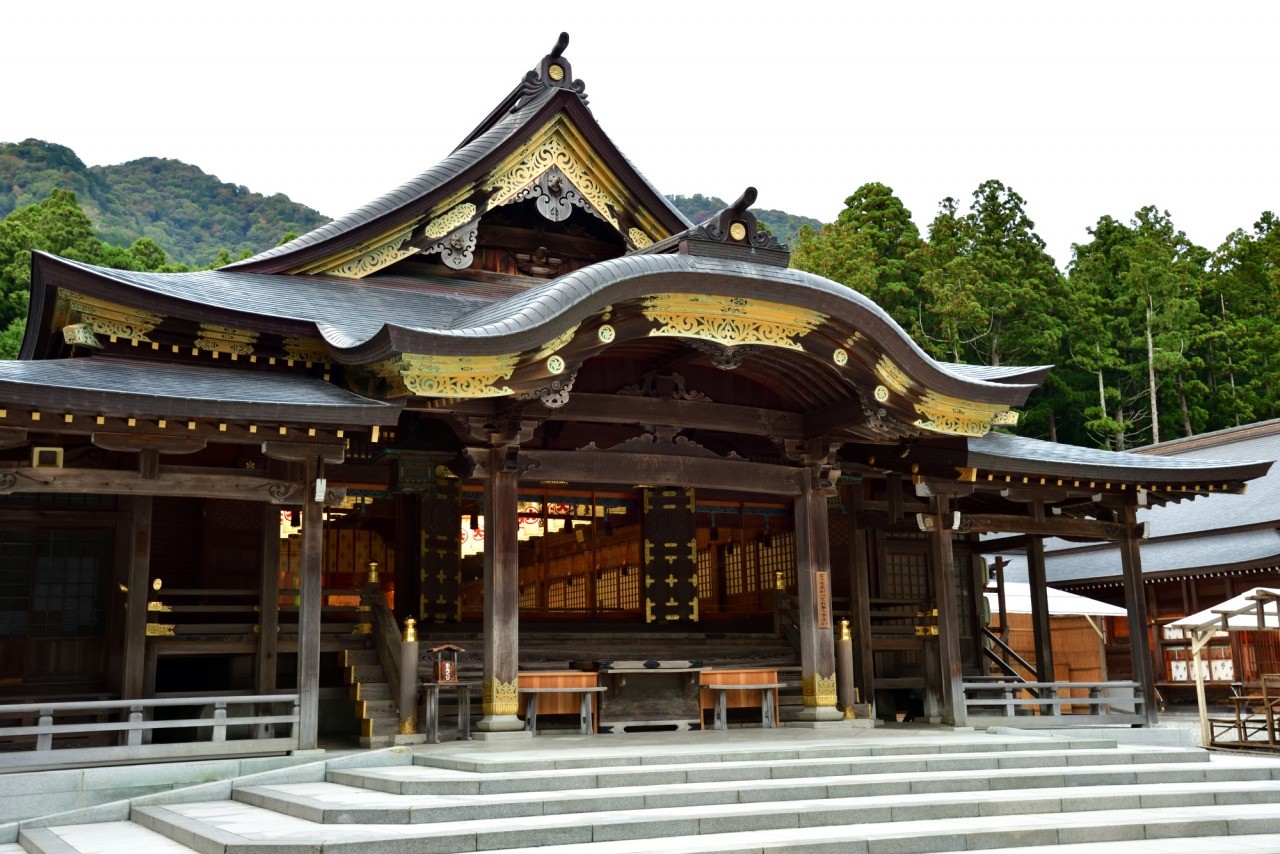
[(781, 224), (188, 213)]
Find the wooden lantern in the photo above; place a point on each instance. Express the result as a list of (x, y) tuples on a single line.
[(446, 665)]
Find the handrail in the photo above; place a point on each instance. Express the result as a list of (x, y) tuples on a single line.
[(386, 636), (131, 730), (977, 693), (991, 636)]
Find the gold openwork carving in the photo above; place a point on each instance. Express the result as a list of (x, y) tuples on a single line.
[(305, 349), (449, 376), (226, 339), (556, 343), (95, 317), (409, 726), (730, 321), (383, 252), (559, 144), (450, 220), (954, 417), (500, 698), (892, 377), (818, 690)]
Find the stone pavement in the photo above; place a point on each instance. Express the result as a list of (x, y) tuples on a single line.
[(889, 789)]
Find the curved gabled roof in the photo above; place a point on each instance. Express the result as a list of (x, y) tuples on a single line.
[(369, 321), (535, 102)]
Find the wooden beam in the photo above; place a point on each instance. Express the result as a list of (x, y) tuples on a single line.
[(837, 416), (12, 437), (860, 599), (653, 469), (222, 432), (329, 452), (268, 610), (693, 414), (137, 442), (1052, 526), (1040, 625), (184, 484)]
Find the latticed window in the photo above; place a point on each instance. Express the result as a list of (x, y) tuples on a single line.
[(706, 575), (575, 594), (607, 589), (629, 587), (52, 582), (778, 556), (733, 565)]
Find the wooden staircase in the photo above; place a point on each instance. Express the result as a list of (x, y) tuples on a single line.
[(375, 706)]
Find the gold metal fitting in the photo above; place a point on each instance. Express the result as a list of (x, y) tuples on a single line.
[(778, 582), (373, 572), (845, 633), (410, 630)]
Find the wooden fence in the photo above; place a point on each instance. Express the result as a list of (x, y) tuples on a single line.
[(93, 731)]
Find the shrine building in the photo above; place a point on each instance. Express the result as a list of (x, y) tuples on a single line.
[(566, 427)]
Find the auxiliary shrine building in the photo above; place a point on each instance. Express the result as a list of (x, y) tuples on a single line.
[(569, 427)]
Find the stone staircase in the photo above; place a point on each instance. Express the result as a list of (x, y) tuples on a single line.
[(905, 790)]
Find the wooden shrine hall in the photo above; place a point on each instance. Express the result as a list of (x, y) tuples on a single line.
[(554, 414)]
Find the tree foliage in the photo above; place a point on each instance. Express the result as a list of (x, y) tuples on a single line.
[(187, 213)]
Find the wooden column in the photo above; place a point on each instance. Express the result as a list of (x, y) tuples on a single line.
[(860, 603), (1040, 625), (133, 677), (268, 609), (944, 589), (813, 572), (501, 598), (1135, 602), (312, 576)]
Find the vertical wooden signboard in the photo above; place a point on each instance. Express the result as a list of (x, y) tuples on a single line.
[(440, 557), (822, 591), (670, 556)]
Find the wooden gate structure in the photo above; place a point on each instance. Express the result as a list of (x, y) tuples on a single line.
[(490, 372)]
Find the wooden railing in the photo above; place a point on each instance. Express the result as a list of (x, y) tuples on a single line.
[(1042, 704), (87, 732), (188, 612)]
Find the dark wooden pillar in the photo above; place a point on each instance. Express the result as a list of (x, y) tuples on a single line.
[(1040, 624), (501, 597), (944, 588), (1135, 602), (133, 676), (309, 595), (860, 602), (268, 601), (813, 571)]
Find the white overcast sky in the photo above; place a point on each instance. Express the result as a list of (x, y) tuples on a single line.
[(1085, 108)]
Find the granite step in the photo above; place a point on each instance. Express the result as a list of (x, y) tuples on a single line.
[(238, 827), (96, 838), (713, 752), (432, 779), (458, 797)]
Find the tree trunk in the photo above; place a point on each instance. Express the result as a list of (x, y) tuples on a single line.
[(1182, 402), (1053, 427), (1151, 379), (1120, 430)]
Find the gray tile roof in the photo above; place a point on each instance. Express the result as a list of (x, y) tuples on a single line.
[(145, 389), (1005, 452), (1209, 519), (1240, 547)]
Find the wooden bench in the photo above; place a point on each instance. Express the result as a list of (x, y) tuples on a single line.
[(768, 715), (586, 702)]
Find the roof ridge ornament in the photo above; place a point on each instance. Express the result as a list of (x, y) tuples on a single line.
[(553, 72), (737, 224)]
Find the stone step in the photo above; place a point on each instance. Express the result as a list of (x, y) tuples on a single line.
[(673, 787), (713, 751), (855, 826), (122, 836)]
